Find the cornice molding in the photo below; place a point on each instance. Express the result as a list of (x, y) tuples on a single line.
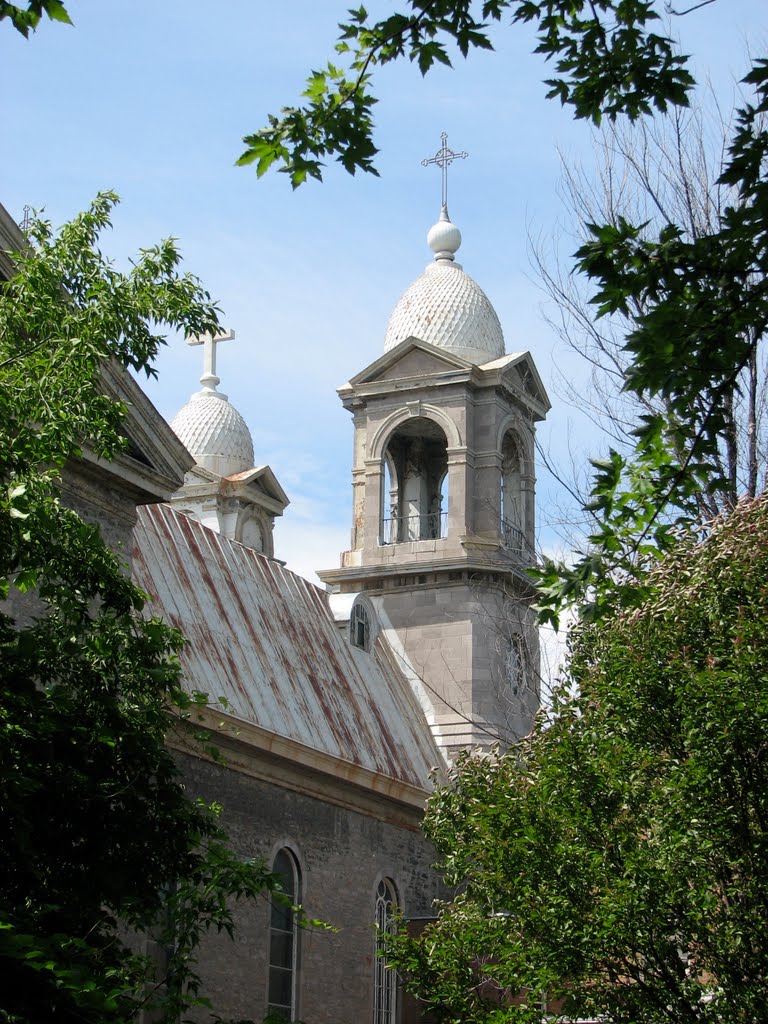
[(264, 755)]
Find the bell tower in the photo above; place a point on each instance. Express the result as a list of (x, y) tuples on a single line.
[(443, 488)]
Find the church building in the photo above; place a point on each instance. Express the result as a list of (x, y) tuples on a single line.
[(335, 710)]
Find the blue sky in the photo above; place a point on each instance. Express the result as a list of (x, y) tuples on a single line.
[(152, 98)]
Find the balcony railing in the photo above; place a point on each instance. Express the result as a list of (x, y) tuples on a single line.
[(399, 529), (516, 544)]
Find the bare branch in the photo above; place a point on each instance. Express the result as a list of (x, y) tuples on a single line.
[(655, 173), (695, 7)]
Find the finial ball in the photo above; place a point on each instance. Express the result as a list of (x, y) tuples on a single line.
[(444, 238)]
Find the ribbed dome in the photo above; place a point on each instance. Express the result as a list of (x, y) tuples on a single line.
[(445, 307), (215, 433)]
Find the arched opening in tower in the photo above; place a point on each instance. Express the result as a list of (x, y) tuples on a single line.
[(513, 522), (415, 483)]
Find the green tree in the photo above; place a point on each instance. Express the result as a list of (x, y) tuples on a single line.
[(97, 838), (697, 310), (617, 859)]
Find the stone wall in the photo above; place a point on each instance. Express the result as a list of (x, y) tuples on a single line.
[(342, 855), (457, 638), (97, 498)]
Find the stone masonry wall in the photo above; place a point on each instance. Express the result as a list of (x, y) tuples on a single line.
[(456, 636), (342, 855)]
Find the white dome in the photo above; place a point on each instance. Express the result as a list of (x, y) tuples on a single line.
[(445, 307), (215, 433)]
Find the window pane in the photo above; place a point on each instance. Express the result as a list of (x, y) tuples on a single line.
[(282, 916), (280, 1011), (283, 938), (281, 950), (513, 662), (280, 986), (283, 867)]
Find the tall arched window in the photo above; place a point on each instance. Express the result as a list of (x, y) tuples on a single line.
[(283, 938), (513, 524), (415, 501), (385, 978)]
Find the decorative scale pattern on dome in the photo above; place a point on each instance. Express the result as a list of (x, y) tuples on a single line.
[(445, 307), (212, 430), (215, 433)]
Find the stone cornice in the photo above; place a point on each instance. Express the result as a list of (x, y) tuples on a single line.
[(261, 754), (374, 388), (159, 460), (479, 556)]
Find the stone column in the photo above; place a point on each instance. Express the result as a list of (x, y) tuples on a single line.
[(460, 519), (358, 481), (374, 504)]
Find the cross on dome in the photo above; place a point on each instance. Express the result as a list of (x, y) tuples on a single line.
[(213, 431), (209, 341), (444, 306), (443, 158)]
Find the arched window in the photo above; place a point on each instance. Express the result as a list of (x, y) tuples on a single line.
[(385, 978), (415, 500), (513, 524), (283, 938), (359, 627)]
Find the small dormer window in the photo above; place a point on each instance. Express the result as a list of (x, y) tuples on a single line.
[(359, 626)]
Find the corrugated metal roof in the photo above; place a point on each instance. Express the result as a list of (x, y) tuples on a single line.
[(263, 638)]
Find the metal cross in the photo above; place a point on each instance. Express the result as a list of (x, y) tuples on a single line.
[(210, 341), (444, 157)]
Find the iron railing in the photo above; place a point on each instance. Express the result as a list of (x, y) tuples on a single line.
[(516, 544), (434, 525), (429, 526)]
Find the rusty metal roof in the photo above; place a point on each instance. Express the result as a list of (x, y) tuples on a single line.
[(263, 638)]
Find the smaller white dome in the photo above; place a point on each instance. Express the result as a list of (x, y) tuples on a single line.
[(215, 434)]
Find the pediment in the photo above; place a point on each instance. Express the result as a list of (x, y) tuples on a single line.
[(257, 486), (261, 479), (518, 372), (411, 358), (199, 476)]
